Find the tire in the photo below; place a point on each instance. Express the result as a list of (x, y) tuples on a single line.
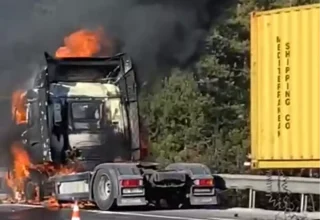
[(30, 190), (104, 189), (31, 184)]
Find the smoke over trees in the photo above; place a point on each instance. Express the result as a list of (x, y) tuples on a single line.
[(157, 34)]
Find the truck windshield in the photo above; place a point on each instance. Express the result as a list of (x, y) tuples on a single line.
[(86, 115), (86, 111)]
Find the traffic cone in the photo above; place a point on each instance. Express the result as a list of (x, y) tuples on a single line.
[(75, 212)]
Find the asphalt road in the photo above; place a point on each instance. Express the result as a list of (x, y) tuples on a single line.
[(24, 212)]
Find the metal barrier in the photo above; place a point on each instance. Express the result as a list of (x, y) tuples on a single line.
[(275, 184)]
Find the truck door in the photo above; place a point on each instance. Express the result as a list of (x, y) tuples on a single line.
[(37, 125), (31, 135), (44, 124), (129, 88), (33, 129)]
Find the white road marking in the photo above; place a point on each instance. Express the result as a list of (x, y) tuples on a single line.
[(22, 205), (155, 215)]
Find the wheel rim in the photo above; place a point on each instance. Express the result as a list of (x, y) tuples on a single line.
[(105, 187)]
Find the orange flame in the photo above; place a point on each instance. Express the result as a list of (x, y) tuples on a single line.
[(21, 166), (18, 107), (52, 170), (82, 43)]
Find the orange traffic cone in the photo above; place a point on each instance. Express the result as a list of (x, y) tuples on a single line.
[(75, 212)]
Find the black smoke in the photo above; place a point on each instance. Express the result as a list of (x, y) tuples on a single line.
[(158, 34)]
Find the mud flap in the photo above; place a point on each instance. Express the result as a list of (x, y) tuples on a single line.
[(198, 195), (71, 187)]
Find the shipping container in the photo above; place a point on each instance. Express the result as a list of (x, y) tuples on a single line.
[(285, 88)]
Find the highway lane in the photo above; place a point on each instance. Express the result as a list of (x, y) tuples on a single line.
[(45, 214), (238, 214), (24, 212)]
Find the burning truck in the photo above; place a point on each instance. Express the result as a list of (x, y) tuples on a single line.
[(81, 137)]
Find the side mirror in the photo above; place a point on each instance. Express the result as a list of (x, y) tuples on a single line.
[(18, 107)]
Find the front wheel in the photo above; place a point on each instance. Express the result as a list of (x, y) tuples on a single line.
[(33, 187), (104, 189)]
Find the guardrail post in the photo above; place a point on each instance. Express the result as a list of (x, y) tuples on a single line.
[(306, 203), (252, 198), (303, 202)]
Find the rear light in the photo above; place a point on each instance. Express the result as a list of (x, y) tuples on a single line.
[(204, 182), (131, 183)]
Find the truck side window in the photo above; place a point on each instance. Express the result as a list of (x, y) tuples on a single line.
[(32, 114), (57, 113), (29, 114)]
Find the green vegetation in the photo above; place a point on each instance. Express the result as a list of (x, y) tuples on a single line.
[(202, 113)]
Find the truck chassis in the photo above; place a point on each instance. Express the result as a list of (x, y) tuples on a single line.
[(112, 185)]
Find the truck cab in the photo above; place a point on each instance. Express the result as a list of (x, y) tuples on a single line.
[(83, 109), (93, 119)]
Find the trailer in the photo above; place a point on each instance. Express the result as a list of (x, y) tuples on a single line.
[(83, 113), (285, 88)]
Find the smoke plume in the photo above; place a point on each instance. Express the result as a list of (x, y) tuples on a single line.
[(157, 34)]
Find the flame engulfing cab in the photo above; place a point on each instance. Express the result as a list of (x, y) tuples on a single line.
[(83, 109)]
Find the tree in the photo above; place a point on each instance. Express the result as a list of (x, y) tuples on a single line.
[(178, 119), (223, 73)]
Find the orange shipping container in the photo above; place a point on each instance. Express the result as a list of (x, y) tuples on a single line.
[(285, 88)]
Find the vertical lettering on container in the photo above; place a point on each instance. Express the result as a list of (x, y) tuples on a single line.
[(287, 79), (278, 40)]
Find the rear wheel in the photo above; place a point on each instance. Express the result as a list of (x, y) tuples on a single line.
[(104, 190)]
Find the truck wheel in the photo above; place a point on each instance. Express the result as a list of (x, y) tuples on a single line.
[(30, 191), (33, 187), (104, 190)]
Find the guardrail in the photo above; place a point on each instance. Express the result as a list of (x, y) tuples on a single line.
[(281, 184)]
